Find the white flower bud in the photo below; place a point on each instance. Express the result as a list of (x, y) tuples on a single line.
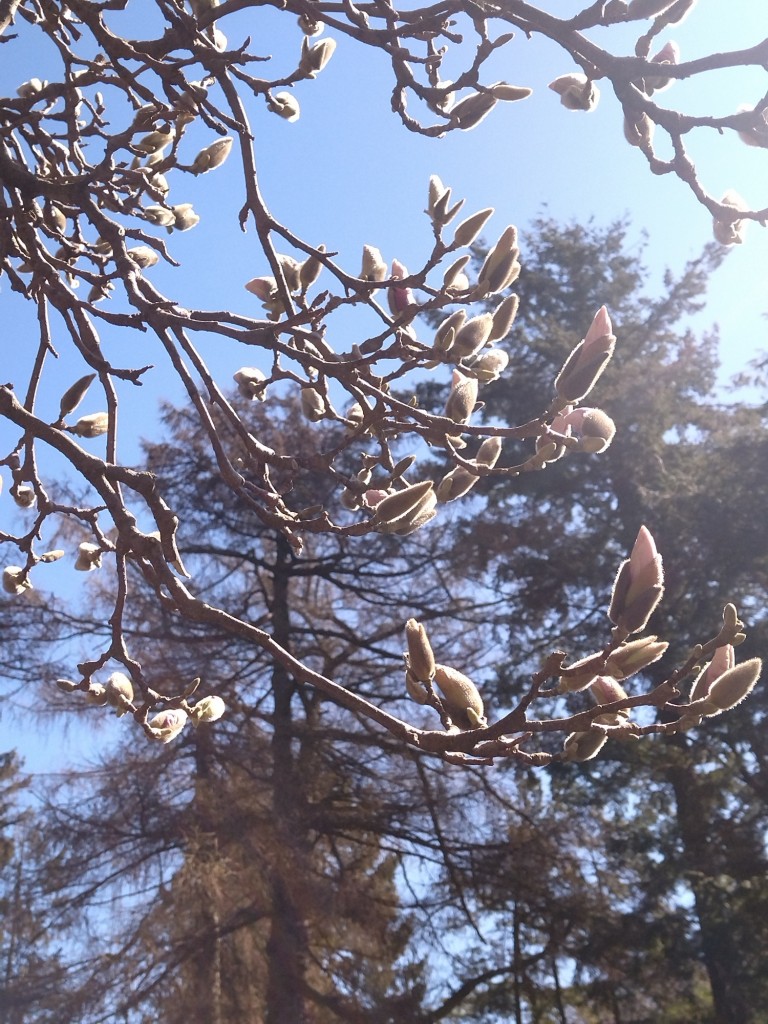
[(212, 156), (93, 425), (88, 557), (168, 724), (209, 709), (284, 104), (250, 383), (15, 581)]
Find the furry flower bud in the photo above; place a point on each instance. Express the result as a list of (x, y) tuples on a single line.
[(583, 746), (88, 557), (576, 92), (212, 156), (93, 425), (639, 585), (461, 698), (209, 709), (420, 657), (284, 104), (167, 725), (587, 361), (15, 580), (250, 383)]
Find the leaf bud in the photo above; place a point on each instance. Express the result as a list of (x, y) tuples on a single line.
[(461, 697)]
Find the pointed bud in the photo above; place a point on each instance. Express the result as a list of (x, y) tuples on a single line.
[(460, 696), (212, 156), (472, 336), (415, 690), (74, 395), (456, 484), (421, 659), (312, 404), (639, 585), (605, 690), (722, 660), (509, 93), (374, 268), (634, 657), (730, 688), (470, 228), (462, 399), (471, 110), (454, 278), (310, 270), (503, 318), (446, 332), (393, 507), (587, 361), (399, 299)]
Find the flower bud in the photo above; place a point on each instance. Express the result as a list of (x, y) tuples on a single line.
[(490, 365), (634, 657), (730, 232), (503, 318), (446, 332), (250, 383), (722, 660), (587, 361), (374, 268), (153, 143), (471, 110), (119, 692), (184, 217), (668, 54), (583, 746), (310, 270), (212, 156), (420, 657), (456, 484), (462, 399), (23, 495), (16, 580), (591, 428), (96, 695), (470, 228), (88, 557), (730, 688), (399, 299), (284, 104), (93, 425), (576, 92), (509, 93), (312, 404), (399, 510), (143, 256), (639, 585), (605, 690), (66, 685), (264, 288), (30, 89), (168, 724), (74, 395), (315, 57), (415, 690), (461, 698), (209, 709), (638, 130), (472, 336)]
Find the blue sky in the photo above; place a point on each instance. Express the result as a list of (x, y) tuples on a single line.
[(347, 174)]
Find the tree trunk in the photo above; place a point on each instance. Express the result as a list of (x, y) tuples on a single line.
[(288, 945)]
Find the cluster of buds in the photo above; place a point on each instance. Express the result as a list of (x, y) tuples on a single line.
[(461, 702), (298, 277)]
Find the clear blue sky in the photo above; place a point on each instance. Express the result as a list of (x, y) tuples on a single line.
[(348, 174)]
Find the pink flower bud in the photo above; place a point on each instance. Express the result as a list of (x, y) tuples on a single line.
[(639, 585), (168, 724), (399, 298), (722, 660)]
